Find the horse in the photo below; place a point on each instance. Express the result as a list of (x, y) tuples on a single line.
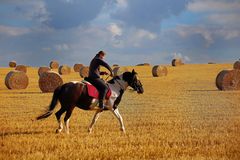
[(76, 93)]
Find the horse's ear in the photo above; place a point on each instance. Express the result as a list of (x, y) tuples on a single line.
[(133, 71)]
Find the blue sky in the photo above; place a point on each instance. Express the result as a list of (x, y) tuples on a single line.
[(129, 31)]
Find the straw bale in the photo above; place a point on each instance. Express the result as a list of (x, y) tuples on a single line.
[(211, 63), (12, 64), (236, 65), (77, 67), (119, 70), (177, 62), (16, 80), (22, 68), (158, 71), (115, 65), (84, 72), (43, 69), (54, 64), (228, 80), (64, 70), (49, 81), (143, 64)]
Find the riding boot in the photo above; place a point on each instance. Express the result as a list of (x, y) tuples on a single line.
[(101, 105)]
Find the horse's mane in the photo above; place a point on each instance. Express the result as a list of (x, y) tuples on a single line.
[(126, 76), (111, 81)]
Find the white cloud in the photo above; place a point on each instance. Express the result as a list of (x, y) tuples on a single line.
[(187, 31), (115, 29), (210, 35), (123, 36), (213, 6), (35, 11), (62, 47), (224, 19), (130, 37), (182, 57), (220, 20), (68, 1), (122, 3), (13, 31), (228, 34), (46, 49), (141, 34), (137, 37)]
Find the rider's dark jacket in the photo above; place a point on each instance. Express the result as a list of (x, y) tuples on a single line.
[(94, 69)]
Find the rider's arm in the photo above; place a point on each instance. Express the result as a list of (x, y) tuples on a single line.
[(102, 63)]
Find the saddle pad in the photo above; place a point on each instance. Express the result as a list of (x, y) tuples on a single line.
[(93, 92)]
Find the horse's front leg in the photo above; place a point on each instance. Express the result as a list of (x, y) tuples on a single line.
[(120, 119), (95, 118)]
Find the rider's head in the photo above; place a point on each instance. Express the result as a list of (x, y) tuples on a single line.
[(101, 54)]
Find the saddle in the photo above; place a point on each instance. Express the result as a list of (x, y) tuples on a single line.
[(92, 90)]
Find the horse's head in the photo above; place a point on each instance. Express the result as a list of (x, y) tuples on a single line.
[(133, 81)]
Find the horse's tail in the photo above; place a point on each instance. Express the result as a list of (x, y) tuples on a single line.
[(52, 105)]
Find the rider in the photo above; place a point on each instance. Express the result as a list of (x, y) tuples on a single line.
[(94, 76)]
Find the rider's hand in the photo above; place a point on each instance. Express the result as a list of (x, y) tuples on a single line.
[(103, 73), (111, 74)]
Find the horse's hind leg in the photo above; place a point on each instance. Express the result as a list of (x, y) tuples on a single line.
[(58, 116), (95, 118), (67, 118)]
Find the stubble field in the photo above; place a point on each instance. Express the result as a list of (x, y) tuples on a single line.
[(180, 116)]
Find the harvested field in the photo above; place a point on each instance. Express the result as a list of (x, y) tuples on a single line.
[(179, 116)]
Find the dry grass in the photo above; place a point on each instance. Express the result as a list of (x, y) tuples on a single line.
[(180, 116)]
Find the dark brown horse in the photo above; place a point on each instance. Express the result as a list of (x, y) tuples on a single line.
[(74, 94)]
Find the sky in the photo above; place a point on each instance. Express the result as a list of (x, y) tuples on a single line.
[(34, 32)]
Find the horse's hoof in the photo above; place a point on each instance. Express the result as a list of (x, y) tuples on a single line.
[(123, 130), (89, 131), (58, 130)]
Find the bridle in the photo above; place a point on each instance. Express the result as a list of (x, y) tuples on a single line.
[(135, 86)]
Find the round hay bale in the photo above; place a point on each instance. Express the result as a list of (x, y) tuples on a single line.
[(177, 62), (77, 67), (64, 69), (143, 64), (54, 64), (16, 80), (158, 71), (211, 63), (228, 80), (43, 69), (236, 65), (84, 72), (115, 65), (22, 68), (12, 64), (119, 70), (49, 81)]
